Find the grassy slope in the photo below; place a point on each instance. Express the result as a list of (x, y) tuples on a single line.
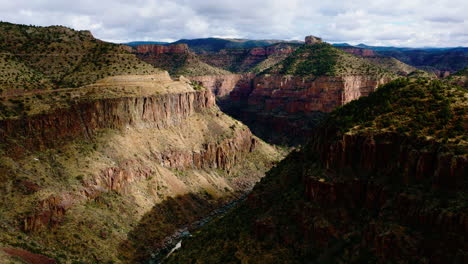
[(324, 59), (40, 102), (269, 228), (392, 64), (430, 110), (61, 56)]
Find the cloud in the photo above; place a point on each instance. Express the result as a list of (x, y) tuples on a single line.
[(377, 22), (445, 19)]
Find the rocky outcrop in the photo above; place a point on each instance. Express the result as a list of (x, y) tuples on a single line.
[(50, 211), (28, 257), (222, 155), (223, 85), (83, 119), (311, 40), (155, 49), (214, 155), (272, 50), (359, 51)]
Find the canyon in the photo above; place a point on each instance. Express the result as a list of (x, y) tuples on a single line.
[(137, 139), (112, 153), (358, 192)]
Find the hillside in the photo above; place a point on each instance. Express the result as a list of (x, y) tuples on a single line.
[(58, 57), (209, 45), (383, 180), (389, 63), (253, 59), (452, 60), (177, 59), (459, 78), (323, 59)]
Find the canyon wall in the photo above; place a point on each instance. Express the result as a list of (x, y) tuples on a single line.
[(224, 155), (275, 105), (306, 94), (407, 222), (359, 51), (224, 85), (155, 49), (395, 156), (82, 119)]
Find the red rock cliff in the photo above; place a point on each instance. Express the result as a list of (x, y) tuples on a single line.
[(81, 120), (359, 51), (160, 49), (223, 85), (298, 94)]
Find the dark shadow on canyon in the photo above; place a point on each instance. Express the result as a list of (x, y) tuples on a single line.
[(168, 222), (276, 127)]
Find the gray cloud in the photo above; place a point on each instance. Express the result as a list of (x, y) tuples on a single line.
[(445, 19), (379, 22)]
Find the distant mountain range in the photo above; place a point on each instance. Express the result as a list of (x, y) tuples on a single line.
[(138, 43), (431, 59), (203, 45)]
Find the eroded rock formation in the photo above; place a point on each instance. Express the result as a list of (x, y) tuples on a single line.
[(81, 120), (305, 94), (359, 51), (224, 85), (311, 40), (160, 49)]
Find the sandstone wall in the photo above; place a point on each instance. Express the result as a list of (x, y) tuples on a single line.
[(304, 94), (83, 119), (359, 51), (223, 85), (160, 49)]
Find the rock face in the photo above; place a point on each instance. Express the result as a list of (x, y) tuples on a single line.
[(271, 50), (311, 40), (408, 166), (220, 155), (301, 94), (223, 155), (56, 128), (359, 51), (293, 104), (160, 49), (223, 85)]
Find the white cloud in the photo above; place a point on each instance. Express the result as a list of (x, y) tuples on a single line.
[(377, 22)]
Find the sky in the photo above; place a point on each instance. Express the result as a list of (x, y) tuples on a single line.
[(408, 23)]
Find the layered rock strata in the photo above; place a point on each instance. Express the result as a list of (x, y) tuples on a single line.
[(81, 120), (160, 49), (224, 85)]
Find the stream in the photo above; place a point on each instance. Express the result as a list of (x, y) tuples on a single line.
[(174, 241)]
